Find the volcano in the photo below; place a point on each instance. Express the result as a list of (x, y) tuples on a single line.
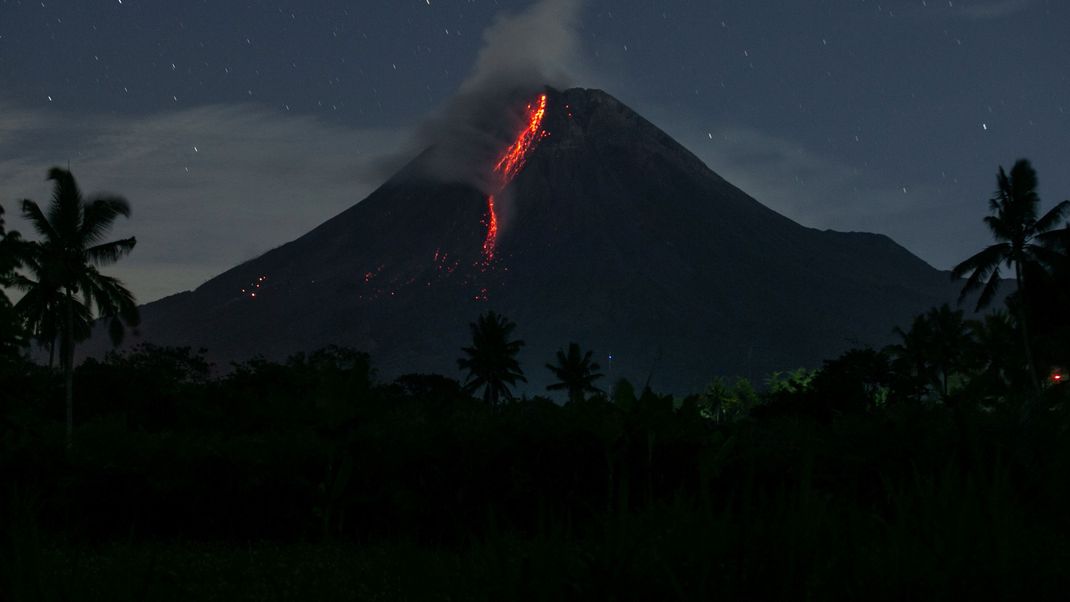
[(596, 227)]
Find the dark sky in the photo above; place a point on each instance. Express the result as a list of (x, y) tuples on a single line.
[(233, 127)]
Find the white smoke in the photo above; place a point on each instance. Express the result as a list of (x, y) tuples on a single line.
[(538, 46), (522, 53)]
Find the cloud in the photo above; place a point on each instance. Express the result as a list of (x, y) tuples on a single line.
[(209, 186)]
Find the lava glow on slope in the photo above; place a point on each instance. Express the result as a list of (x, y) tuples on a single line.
[(509, 165), (492, 231), (514, 157)]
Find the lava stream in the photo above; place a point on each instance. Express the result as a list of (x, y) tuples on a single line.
[(492, 231), (509, 165)]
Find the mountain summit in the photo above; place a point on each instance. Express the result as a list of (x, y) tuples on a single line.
[(591, 225)]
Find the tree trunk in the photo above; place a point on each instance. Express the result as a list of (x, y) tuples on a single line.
[(1031, 365), (68, 368)]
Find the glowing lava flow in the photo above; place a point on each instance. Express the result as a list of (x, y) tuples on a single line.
[(512, 161), (509, 165), (492, 231)]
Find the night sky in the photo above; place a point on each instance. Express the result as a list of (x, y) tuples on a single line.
[(234, 127)]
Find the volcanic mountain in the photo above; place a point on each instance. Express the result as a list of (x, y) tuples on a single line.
[(595, 227)]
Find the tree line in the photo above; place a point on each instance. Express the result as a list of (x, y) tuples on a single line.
[(64, 294)]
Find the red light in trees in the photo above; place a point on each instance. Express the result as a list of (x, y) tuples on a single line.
[(1057, 376)]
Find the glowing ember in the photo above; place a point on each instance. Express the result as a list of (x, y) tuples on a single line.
[(509, 165), (492, 231), (251, 290)]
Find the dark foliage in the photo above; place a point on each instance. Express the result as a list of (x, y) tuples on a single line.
[(12, 330), (833, 484)]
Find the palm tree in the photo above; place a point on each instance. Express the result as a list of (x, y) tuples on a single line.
[(69, 289), (575, 373), (1020, 243), (491, 360)]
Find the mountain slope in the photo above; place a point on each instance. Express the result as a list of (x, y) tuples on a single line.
[(611, 234)]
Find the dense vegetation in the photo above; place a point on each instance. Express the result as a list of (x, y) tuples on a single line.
[(311, 476), (935, 467)]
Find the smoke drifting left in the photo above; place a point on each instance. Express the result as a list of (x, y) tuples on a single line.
[(522, 54)]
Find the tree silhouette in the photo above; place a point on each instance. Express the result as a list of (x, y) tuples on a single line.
[(1020, 237), (69, 289), (935, 348), (575, 373), (9, 256), (996, 358), (1049, 296), (39, 307), (491, 360), (12, 251)]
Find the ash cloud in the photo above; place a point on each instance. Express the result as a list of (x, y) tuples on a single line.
[(523, 52)]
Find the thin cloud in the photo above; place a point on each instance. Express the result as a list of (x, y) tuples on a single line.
[(210, 186)]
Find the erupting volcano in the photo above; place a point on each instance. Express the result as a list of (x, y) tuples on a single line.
[(619, 239), (509, 164)]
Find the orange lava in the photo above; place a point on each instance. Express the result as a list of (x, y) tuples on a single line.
[(514, 157), (492, 231), (509, 165)]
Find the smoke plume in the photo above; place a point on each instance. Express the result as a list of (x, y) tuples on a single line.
[(522, 53)]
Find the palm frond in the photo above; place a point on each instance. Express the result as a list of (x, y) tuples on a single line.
[(31, 211), (1052, 218), (110, 252), (983, 268), (22, 283), (987, 258), (111, 297), (1044, 256), (989, 292), (65, 210), (98, 216), (1058, 239), (1001, 228)]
